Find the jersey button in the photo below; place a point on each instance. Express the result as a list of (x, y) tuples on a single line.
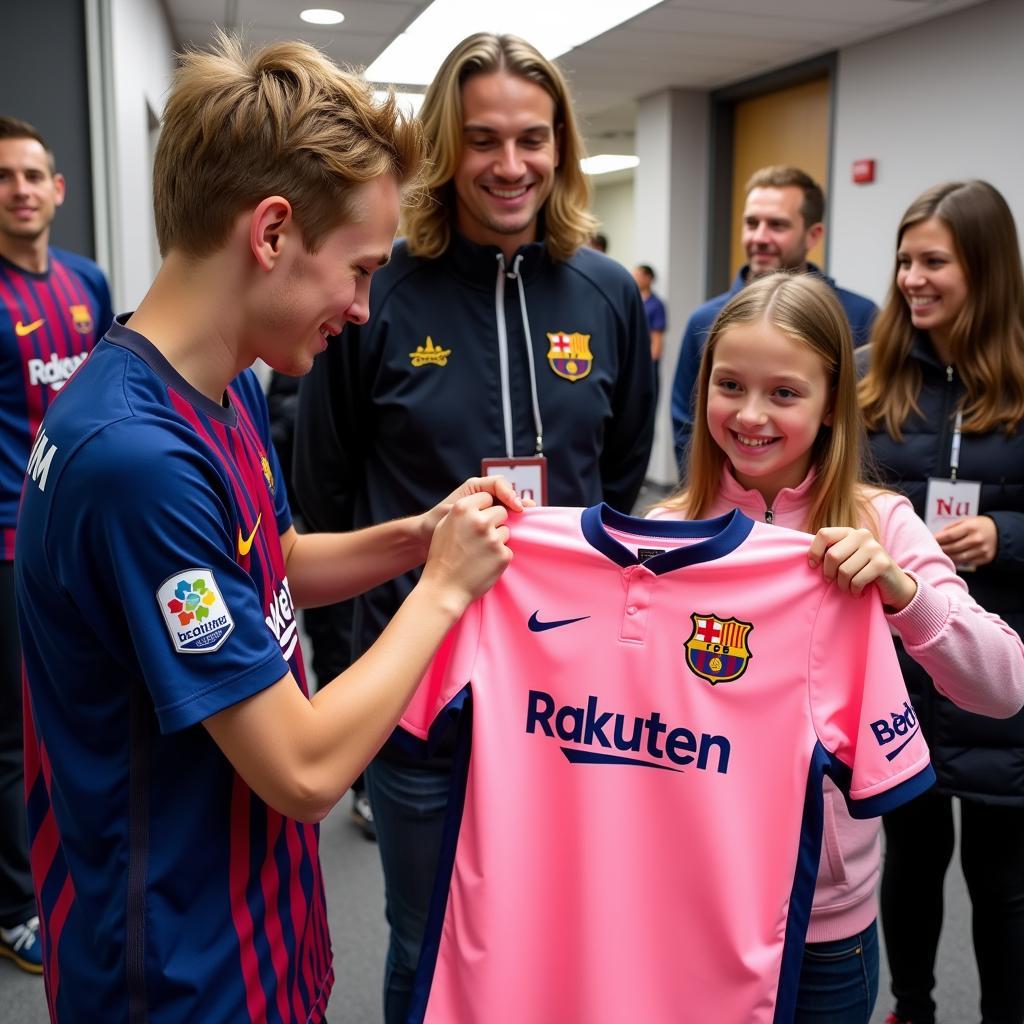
[(631, 610)]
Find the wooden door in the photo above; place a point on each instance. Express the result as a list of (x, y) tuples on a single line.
[(787, 126)]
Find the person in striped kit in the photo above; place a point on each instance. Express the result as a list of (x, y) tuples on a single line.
[(176, 767), (54, 307)]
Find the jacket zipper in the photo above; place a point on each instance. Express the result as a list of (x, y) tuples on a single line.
[(945, 434)]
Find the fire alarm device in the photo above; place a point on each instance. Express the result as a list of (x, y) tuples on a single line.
[(863, 172)]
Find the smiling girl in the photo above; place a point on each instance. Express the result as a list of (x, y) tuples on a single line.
[(781, 439)]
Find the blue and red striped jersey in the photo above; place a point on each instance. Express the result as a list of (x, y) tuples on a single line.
[(152, 594), (49, 323)]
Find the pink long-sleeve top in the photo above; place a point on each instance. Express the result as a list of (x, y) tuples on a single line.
[(942, 628)]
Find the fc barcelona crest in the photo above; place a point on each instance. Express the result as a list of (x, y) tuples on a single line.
[(717, 649), (82, 318), (569, 355)]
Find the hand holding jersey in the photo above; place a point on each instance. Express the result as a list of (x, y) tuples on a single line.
[(468, 552), (301, 755), (495, 484), (855, 558)]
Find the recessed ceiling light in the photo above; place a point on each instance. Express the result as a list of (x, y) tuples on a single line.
[(413, 57), (605, 163), (322, 16)]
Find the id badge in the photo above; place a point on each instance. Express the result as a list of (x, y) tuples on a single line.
[(949, 501), (529, 476)]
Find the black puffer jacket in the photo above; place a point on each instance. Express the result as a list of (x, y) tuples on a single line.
[(975, 757)]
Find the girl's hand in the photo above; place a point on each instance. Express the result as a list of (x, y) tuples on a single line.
[(970, 541), (854, 559)]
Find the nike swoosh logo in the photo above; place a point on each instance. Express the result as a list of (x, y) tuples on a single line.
[(537, 626), (21, 329), (244, 544)]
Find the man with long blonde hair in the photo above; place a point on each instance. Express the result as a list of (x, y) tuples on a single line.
[(497, 334)]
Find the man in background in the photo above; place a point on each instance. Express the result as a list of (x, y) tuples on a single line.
[(654, 309), (54, 307), (783, 220)]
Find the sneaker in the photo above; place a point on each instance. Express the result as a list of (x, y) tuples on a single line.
[(23, 945), (362, 815)]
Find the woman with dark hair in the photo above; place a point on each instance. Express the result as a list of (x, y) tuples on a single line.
[(943, 399)]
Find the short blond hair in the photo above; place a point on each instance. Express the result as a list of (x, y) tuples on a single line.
[(282, 120), (568, 224)]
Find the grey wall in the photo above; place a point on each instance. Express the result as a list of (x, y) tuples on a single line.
[(670, 230), (613, 207), (43, 81), (140, 72), (932, 103)]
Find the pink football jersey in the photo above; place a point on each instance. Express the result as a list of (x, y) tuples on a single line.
[(653, 706)]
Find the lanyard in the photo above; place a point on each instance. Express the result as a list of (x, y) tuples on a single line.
[(506, 389), (954, 451)]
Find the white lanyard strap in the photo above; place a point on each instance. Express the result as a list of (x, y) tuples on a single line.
[(506, 395), (954, 451), (506, 390), (538, 426)]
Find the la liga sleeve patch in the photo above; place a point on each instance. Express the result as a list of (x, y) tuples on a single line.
[(194, 611)]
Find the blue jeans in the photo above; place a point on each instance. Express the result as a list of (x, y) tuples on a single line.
[(409, 806), (839, 980)]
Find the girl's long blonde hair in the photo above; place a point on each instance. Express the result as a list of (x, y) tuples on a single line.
[(805, 309)]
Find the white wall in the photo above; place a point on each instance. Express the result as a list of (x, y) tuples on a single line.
[(670, 217), (932, 103), (613, 207), (137, 49)]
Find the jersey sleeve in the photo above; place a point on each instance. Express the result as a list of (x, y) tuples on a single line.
[(861, 711), (153, 574), (943, 628), (449, 673)]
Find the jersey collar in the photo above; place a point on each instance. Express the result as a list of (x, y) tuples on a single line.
[(719, 536), (125, 337)]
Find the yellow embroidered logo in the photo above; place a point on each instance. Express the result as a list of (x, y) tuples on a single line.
[(569, 355), (245, 543), (82, 318), (430, 354), (21, 330)]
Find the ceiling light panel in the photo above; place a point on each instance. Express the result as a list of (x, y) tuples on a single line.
[(321, 16), (554, 28)]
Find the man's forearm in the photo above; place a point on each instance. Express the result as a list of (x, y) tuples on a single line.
[(324, 568)]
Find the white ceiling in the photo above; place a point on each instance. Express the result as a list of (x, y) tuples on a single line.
[(693, 44)]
